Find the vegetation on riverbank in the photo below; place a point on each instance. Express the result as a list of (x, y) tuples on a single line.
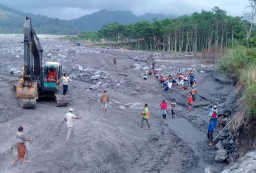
[(240, 62)]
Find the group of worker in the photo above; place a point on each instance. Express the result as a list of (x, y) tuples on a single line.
[(70, 116), (215, 122)]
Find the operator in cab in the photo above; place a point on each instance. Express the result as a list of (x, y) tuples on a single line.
[(51, 76)]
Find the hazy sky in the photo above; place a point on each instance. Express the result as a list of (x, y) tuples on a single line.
[(69, 9)]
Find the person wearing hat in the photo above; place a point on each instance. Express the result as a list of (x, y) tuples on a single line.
[(69, 118), (21, 147), (214, 115), (210, 111)]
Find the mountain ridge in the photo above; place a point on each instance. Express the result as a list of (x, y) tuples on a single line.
[(11, 21)]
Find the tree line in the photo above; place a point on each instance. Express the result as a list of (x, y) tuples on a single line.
[(197, 32)]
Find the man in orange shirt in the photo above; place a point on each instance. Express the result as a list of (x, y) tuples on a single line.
[(190, 102)]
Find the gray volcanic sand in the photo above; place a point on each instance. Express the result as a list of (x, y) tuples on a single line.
[(110, 142)]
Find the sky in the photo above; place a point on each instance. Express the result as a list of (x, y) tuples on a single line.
[(70, 9)]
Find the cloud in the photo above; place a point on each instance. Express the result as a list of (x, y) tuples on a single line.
[(68, 9)]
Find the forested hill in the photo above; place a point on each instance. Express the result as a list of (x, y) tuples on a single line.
[(198, 32), (11, 21), (96, 20)]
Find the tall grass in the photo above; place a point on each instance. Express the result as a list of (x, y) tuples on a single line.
[(241, 62)]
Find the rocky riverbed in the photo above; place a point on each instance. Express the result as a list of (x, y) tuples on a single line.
[(112, 142)]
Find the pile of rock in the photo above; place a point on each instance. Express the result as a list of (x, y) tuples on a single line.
[(99, 79), (246, 163), (226, 147)]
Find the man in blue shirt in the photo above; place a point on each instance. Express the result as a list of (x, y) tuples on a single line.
[(210, 131), (191, 78)]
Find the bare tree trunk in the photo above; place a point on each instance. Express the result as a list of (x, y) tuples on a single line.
[(169, 42), (232, 37), (187, 41), (251, 17), (175, 41), (222, 38), (210, 40)]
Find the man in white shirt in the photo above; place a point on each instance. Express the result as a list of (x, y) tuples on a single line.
[(69, 118), (65, 80)]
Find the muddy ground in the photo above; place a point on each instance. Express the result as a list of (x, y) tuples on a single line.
[(110, 142)]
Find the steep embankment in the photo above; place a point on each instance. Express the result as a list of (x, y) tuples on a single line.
[(240, 63)]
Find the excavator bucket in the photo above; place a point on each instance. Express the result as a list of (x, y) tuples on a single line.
[(27, 95), (61, 100)]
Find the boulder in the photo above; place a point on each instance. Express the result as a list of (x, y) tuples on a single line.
[(95, 77), (141, 59), (145, 68), (224, 134), (226, 144), (221, 155), (49, 55), (247, 163), (73, 76), (231, 141), (95, 87), (137, 66), (219, 145), (80, 68), (211, 169), (97, 73), (121, 107), (136, 105), (14, 71), (105, 85)]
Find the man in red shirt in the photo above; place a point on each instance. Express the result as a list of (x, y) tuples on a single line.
[(214, 115), (163, 106)]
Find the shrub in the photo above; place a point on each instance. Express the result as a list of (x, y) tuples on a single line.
[(233, 61), (248, 75), (237, 59), (241, 62), (250, 97)]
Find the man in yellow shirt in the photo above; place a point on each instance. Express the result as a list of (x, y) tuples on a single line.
[(146, 116)]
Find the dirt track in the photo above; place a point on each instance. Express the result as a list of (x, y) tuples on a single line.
[(111, 142)]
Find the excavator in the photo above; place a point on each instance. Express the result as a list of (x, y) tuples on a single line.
[(37, 80)]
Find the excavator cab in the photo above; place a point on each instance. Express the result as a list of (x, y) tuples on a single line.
[(51, 74)]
